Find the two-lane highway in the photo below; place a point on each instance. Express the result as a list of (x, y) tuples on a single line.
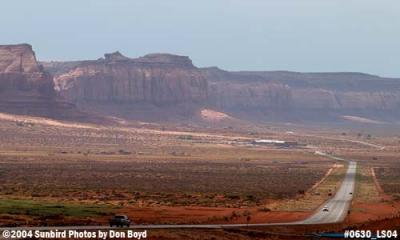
[(336, 209)]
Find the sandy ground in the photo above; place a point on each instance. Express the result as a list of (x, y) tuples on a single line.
[(211, 115), (45, 121), (165, 214), (363, 212), (185, 215)]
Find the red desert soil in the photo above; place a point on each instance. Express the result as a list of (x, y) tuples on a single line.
[(186, 215), (390, 223), (372, 211)]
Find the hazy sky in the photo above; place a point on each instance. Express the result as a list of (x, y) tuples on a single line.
[(299, 35)]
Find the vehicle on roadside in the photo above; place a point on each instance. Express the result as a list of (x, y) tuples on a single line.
[(120, 221)]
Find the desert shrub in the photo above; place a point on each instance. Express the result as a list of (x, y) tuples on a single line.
[(123, 152), (264, 209), (186, 137)]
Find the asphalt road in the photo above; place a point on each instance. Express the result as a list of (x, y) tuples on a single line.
[(338, 207)]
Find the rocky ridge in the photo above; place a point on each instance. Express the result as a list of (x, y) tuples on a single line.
[(166, 80), (26, 88), (159, 79)]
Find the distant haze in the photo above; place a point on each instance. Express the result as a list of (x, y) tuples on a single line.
[(297, 35)]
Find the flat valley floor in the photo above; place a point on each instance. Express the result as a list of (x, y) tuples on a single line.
[(63, 173)]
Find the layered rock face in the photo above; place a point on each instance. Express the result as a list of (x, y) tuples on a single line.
[(167, 81), (20, 73), (231, 92), (246, 97), (291, 92), (25, 88), (159, 79)]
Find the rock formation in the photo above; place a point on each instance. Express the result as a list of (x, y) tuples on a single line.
[(25, 88), (160, 79), (290, 93), (20, 73), (166, 80)]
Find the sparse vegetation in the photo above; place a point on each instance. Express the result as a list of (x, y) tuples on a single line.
[(313, 199), (365, 187), (186, 137), (90, 170), (389, 179), (47, 209)]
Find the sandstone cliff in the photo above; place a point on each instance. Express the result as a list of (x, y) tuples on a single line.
[(25, 88), (164, 81), (290, 93), (20, 73), (160, 79)]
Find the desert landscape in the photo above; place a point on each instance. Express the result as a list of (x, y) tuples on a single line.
[(62, 173), (188, 151)]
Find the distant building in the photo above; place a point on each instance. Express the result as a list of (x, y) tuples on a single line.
[(277, 143), (268, 142)]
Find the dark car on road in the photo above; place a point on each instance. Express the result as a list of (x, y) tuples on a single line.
[(120, 221)]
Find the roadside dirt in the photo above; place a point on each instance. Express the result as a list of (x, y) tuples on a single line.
[(205, 215), (366, 212)]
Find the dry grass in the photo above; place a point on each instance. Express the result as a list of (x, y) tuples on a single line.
[(317, 196), (144, 167), (389, 179), (148, 167), (366, 191)]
